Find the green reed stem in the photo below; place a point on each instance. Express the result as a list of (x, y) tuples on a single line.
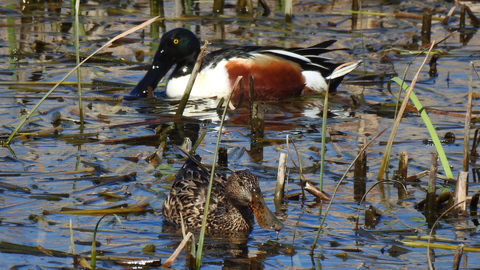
[(199, 140), (77, 57), (210, 184), (93, 254)]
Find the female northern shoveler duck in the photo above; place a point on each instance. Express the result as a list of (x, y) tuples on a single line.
[(278, 73), (233, 202)]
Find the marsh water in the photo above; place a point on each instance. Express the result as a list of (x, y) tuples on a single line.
[(55, 165)]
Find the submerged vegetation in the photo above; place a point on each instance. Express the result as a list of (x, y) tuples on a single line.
[(63, 163)]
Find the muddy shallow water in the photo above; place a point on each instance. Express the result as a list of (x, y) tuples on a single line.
[(67, 168)]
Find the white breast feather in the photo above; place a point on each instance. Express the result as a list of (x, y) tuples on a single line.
[(209, 82)]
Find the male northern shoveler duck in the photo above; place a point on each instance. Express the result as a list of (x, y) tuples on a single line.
[(233, 202), (278, 73)]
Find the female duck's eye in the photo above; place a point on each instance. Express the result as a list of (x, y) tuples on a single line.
[(176, 41)]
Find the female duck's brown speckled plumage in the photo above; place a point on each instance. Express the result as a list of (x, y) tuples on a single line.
[(233, 203)]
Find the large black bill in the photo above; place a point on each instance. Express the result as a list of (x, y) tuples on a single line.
[(148, 84)]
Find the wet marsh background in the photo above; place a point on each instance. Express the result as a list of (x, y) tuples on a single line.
[(56, 165)]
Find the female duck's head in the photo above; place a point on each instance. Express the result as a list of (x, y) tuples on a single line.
[(243, 190)]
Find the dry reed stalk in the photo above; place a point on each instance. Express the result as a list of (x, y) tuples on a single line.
[(312, 189), (457, 258), (174, 255), (360, 169), (468, 117), (402, 175), (430, 208), (360, 175), (191, 80), (460, 191), (461, 187), (279, 187), (288, 11), (426, 26)]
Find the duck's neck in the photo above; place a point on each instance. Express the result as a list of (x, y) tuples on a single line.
[(239, 218)]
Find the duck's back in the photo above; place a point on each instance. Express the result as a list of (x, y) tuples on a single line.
[(188, 196), (189, 193)]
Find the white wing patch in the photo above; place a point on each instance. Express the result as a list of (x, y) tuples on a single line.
[(344, 70), (299, 57), (290, 54), (314, 80)]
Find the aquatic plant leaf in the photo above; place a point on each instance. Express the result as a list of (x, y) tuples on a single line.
[(428, 125)]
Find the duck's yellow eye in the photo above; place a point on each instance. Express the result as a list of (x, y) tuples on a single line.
[(176, 41)]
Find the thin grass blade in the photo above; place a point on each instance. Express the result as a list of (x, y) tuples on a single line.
[(212, 175)]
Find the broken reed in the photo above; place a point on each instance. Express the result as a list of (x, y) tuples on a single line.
[(401, 175), (430, 208), (360, 175), (191, 80), (426, 26), (461, 186)]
